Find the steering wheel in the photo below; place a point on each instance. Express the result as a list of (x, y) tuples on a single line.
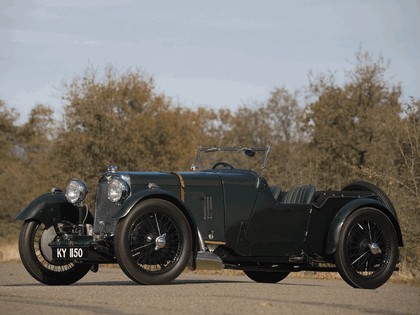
[(224, 164)]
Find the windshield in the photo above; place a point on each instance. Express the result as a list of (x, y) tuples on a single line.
[(209, 158)]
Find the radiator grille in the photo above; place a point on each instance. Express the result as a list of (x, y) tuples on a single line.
[(104, 210)]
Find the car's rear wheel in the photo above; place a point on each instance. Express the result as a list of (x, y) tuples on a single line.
[(36, 256), (367, 249), (153, 243), (266, 277)]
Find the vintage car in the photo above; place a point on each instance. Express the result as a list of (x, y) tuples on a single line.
[(221, 214)]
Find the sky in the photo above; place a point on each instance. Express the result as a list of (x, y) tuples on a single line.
[(201, 53)]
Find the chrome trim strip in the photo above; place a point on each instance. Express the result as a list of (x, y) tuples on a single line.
[(215, 242), (182, 184), (201, 241)]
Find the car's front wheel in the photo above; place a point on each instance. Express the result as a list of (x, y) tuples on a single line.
[(266, 277), (367, 249), (153, 243), (36, 256)]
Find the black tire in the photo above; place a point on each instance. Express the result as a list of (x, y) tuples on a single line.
[(153, 243), (367, 249), (366, 186), (266, 277), (36, 257)]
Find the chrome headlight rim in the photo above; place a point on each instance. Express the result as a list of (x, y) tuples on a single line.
[(76, 191), (118, 189)]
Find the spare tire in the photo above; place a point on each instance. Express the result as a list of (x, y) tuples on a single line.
[(366, 186)]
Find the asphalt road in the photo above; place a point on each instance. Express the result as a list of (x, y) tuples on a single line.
[(110, 292)]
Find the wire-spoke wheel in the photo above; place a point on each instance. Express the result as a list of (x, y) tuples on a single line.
[(368, 249), (36, 256), (152, 244), (266, 277)]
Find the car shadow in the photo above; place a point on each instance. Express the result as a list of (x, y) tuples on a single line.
[(173, 283), (123, 283)]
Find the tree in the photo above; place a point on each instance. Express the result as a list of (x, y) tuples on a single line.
[(8, 118), (122, 120), (403, 183), (359, 130), (24, 158), (37, 135), (407, 140), (284, 117), (8, 138), (26, 165), (347, 124)]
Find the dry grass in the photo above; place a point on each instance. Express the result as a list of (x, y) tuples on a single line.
[(9, 252)]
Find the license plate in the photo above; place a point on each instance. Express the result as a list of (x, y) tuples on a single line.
[(70, 252)]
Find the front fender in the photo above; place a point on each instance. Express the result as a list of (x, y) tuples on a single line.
[(146, 194), (50, 208), (337, 223)]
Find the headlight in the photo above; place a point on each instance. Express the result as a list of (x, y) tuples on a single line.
[(118, 189), (76, 191)]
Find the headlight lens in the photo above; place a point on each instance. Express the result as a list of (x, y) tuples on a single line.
[(118, 189), (76, 191)]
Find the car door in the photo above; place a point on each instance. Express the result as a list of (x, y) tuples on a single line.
[(275, 228)]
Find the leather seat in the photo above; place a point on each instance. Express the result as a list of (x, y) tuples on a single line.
[(276, 191), (300, 195)]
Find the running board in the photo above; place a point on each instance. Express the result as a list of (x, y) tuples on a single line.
[(209, 261)]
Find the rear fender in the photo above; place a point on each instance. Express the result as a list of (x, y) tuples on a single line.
[(163, 194), (349, 208), (51, 208)]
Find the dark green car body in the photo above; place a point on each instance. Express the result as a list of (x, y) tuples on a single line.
[(236, 219)]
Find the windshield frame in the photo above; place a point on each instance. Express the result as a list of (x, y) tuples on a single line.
[(248, 151)]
